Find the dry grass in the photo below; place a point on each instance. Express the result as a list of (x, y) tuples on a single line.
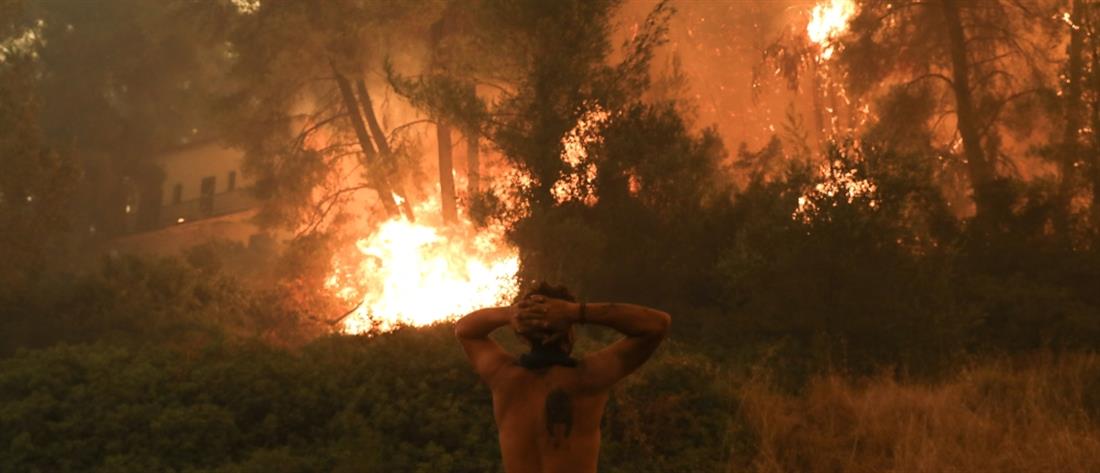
[(1038, 415)]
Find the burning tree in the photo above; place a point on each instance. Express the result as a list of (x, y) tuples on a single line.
[(543, 115), (302, 108), (1078, 100), (305, 111), (980, 58), (804, 56)]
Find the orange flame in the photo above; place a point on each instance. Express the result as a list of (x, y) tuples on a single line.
[(417, 274), (827, 22)]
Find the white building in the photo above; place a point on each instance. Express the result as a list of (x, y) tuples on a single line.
[(203, 197), (202, 181)]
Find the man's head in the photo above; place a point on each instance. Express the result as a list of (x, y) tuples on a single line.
[(549, 340)]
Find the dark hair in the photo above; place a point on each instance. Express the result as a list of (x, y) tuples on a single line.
[(543, 288)]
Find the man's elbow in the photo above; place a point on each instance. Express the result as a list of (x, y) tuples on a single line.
[(662, 322), (466, 327), (462, 329)]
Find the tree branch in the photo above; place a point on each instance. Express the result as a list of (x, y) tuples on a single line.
[(930, 75)]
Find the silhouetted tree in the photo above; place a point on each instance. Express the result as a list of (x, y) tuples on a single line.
[(119, 83), (36, 184), (301, 108), (986, 54)]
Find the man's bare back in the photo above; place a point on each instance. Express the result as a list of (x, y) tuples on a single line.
[(547, 421), (548, 415)]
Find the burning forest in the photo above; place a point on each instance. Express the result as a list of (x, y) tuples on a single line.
[(769, 236)]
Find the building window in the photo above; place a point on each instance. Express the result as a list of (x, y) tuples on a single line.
[(206, 195), (232, 181), (177, 193)]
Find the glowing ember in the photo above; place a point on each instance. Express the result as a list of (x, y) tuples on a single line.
[(575, 154), (1067, 18), (836, 179), (246, 7), (827, 22), (25, 43), (415, 274)]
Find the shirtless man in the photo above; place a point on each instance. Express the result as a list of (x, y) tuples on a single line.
[(547, 405)]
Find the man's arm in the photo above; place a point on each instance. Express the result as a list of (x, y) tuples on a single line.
[(644, 328), (473, 331)]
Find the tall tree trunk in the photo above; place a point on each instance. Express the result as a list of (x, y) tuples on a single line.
[(1094, 169), (979, 168), (384, 147), (1070, 148), (473, 164), (819, 113), (440, 29), (473, 153), (375, 168), (446, 172)]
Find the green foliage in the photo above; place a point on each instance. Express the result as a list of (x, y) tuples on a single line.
[(561, 70), (838, 276), (404, 401), (134, 301), (659, 200)]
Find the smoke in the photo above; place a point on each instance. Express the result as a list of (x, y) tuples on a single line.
[(717, 46)]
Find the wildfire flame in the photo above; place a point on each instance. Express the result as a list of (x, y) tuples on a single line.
[(829, 20), (417, 274)]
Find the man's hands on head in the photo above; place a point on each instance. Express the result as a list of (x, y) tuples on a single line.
[(539, 314), (544, 320)]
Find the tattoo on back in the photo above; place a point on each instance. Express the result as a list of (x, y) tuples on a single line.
[(559, 412)]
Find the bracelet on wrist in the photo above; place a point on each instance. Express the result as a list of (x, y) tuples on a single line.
[(581, 314)]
